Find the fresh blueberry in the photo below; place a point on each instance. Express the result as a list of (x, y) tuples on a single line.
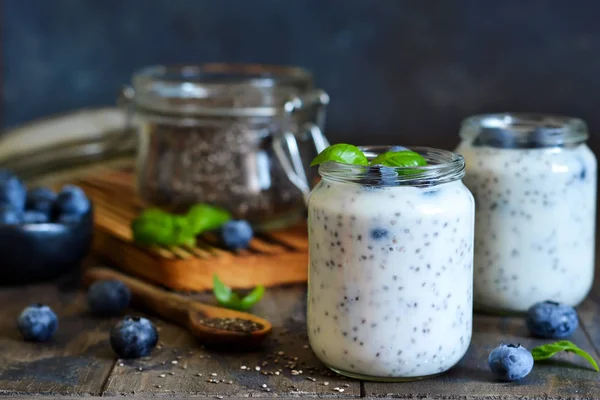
[(397, 148), (496, 137), (109, 297), (236, 234), (10, 215), (12, 190), (35, 217), (72, 200), (509, 362), (379, 233), (41, 199), (133, 337), (551, 320), (37, 323)]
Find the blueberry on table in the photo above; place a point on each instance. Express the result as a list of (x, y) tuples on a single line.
[(237, 234), (510, 362), (12, 190), (72, 201), (10, 215), (551, 320), (37, 323), (35, 217), (108, 297), (133, 337), (41, 199)]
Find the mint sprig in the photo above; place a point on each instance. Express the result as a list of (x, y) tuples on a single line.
[(342, 153), (546, 351), (157, 227), (229, 299)]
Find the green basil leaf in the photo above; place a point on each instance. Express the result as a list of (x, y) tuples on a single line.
[(153, 226), (253, 297), (229, 299), (342, 153), (203, 217), (548, 350), (404, 158), (222, 292)]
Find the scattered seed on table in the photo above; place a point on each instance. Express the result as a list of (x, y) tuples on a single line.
[(140, 369), (213, 374), (174, 362), (171, 373), (243, 367), (341, 390), (158, 386), (276, 372), (325, 383), (121, 364), (345, 385), (257, 368), (264, 385), (198, 374), (162, 375)]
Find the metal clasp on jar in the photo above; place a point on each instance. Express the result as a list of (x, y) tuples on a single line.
[(291, 161)]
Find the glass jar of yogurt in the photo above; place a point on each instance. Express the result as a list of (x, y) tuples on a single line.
[(390, 267), (534, 183)]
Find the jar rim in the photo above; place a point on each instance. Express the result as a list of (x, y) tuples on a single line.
[(443, 166), (219, 89), (523, 130)]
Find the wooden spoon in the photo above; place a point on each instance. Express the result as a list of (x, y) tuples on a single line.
[(202, 320)]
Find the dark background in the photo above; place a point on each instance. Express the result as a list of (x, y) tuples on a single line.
[(397, 71)]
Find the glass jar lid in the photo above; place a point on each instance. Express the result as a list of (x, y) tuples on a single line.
[(242, 90), (523, 130)]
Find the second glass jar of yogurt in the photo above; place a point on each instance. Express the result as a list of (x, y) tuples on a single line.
[(534, 182), (390, 267)]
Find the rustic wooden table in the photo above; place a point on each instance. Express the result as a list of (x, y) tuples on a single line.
[(79, 361)]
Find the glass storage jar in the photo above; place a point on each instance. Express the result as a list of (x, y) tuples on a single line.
[(238, 136), (390, 267), (534, 182)]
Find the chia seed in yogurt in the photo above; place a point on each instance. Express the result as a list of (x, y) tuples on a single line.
[(390, 274), (534, 183)]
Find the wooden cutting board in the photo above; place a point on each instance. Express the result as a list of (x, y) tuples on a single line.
[(273, 258)]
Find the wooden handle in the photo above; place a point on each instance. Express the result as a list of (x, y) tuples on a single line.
[(170, 306)]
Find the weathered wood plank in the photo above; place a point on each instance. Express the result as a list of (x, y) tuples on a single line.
[(77, 361), (589, 315), (285, 308), (566, 377)]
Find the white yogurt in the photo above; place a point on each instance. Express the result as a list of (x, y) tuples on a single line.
[(535, 223), (390, 278)]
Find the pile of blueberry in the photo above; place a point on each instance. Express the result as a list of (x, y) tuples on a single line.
[(39, 205), (548, 320), (131, 337)]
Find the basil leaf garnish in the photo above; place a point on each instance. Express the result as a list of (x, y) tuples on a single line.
[(404, 158), (548, 350), (342, 153)]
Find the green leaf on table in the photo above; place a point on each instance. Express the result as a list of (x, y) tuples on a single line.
[(229, 299), (548, 350), (204, 217), (404, 158), (154, 226), (342, 153)]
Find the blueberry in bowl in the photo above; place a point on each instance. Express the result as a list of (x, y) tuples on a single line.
[(40, 240)]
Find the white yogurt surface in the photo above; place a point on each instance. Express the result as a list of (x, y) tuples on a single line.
[(534, 227), (390, 278)]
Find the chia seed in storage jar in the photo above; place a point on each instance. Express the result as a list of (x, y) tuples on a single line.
[(534, 182), (208, 135), (390, 268)]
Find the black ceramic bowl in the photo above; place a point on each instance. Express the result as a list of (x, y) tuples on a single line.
[(38, 252)]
